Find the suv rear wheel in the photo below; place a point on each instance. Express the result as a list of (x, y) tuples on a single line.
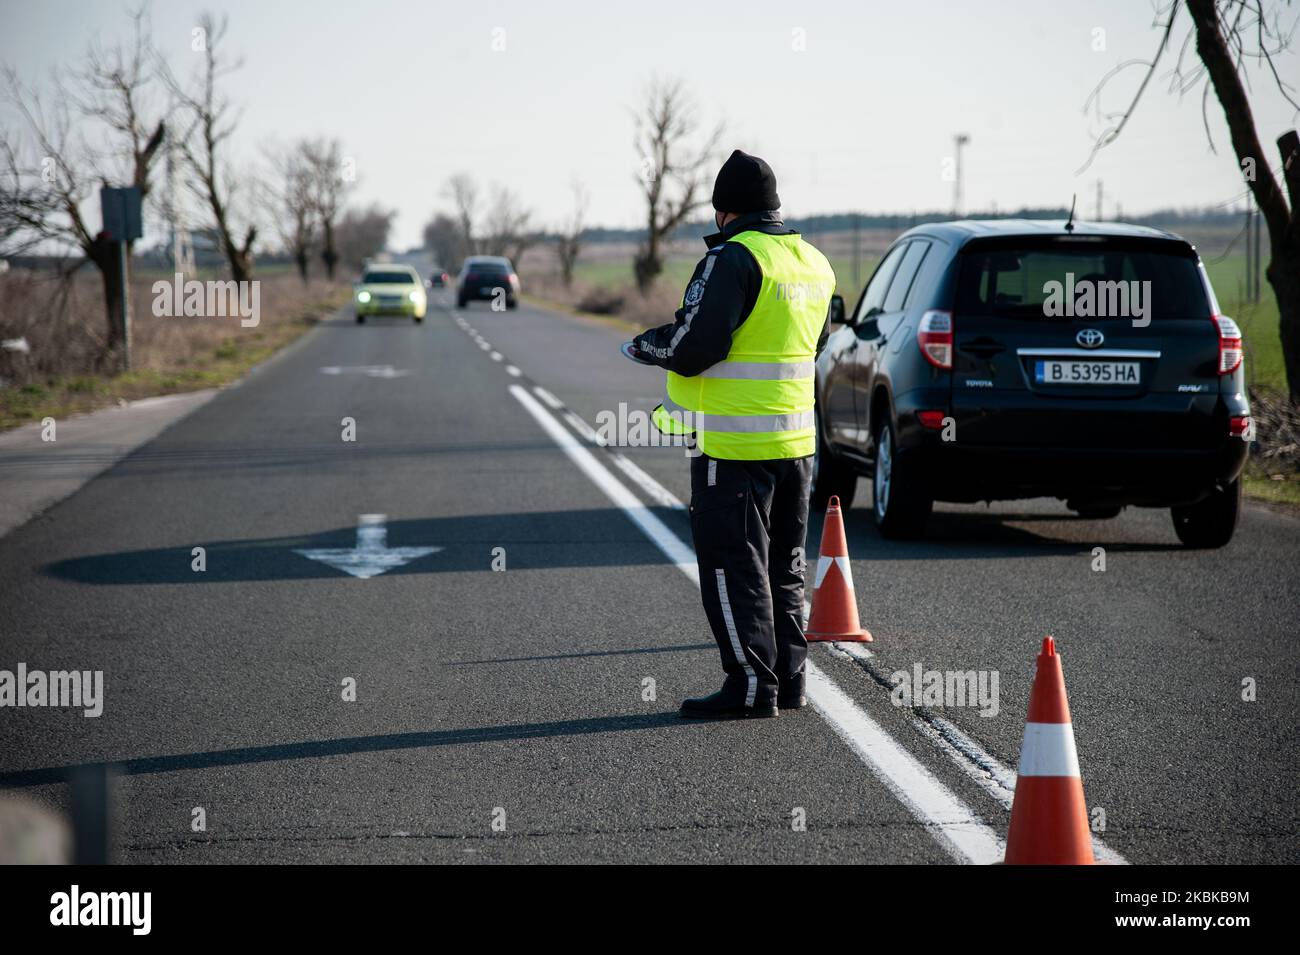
[(900, 502), (1211, 522), (831, 477)]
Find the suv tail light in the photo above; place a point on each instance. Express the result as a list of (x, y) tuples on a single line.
[(934, 335), (931, 419), (1229, 344)]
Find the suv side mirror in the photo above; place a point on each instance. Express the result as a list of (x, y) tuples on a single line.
[(838, 316)]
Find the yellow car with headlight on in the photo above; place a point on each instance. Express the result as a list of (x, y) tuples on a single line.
[(390, 290)]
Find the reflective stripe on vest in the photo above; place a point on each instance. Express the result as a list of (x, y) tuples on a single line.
[(757, 404)]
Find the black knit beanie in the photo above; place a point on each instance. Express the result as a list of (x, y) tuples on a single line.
[(745, 183)]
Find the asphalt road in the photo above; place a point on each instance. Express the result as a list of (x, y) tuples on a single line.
[(505, 715)]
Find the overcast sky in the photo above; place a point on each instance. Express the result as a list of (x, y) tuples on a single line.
[(853, 103)]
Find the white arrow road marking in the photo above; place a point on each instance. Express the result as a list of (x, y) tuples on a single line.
[(371, 371), (957, 828), (371, 557)]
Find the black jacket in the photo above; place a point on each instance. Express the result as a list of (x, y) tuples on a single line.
[(720, 296)]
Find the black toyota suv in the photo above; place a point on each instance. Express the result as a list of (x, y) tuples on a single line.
[(1015, 359)]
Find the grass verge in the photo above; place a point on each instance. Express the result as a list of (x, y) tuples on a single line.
[(228, 359)]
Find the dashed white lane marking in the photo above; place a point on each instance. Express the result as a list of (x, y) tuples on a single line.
[(546, 396), (495, 356), (653, 489), (941, 811), (485, 345), (512, 371)]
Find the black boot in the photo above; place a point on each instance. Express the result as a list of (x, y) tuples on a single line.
[(791, 695), (725, 705)]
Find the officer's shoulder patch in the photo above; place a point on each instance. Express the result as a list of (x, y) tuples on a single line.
[(694, 292)]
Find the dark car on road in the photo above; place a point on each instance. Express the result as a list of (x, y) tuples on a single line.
[(1016, 359), (489, 277)]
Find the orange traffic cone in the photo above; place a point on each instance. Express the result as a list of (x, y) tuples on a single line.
[(834, 605), (1049, 819)]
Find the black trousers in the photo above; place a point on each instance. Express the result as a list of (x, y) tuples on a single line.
[(749, 520)]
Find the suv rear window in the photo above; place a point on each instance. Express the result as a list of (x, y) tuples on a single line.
[(489, 268), (388, 278), (1060, 280)]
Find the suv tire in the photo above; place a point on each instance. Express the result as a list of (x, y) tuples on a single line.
[(831, 477), (900, 503), (1209, 523)]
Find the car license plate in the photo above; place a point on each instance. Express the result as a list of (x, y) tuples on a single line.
[(1086, 373)]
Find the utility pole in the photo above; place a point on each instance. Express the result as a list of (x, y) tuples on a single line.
[(1097, 215), (959, 142), (857, 250), (182, 244), (1250, 253), (1259, 218)]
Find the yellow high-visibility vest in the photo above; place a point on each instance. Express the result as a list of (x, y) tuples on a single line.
[(757, 404)]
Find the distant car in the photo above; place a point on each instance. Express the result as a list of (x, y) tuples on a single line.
[(390, 290), (1016, 359), (489, 277), (438, 279)]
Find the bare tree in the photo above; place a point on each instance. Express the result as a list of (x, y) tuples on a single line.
[(673, 169), (293, 197), (210, 125), (463, 192), (112, 90), (442, 239), (362, 233), (1228, 36), (27, 203), (329, 188), (509, 226), (571, 233)]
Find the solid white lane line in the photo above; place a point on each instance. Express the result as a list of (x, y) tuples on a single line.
[(981, 767), (947, 817), (942, 813), (677, 553)]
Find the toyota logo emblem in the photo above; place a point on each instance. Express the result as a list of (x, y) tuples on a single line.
[(1089, 338)]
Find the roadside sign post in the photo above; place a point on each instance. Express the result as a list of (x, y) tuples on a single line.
[(120, 208)]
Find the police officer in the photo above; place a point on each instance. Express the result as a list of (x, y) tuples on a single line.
[(740, 362)]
